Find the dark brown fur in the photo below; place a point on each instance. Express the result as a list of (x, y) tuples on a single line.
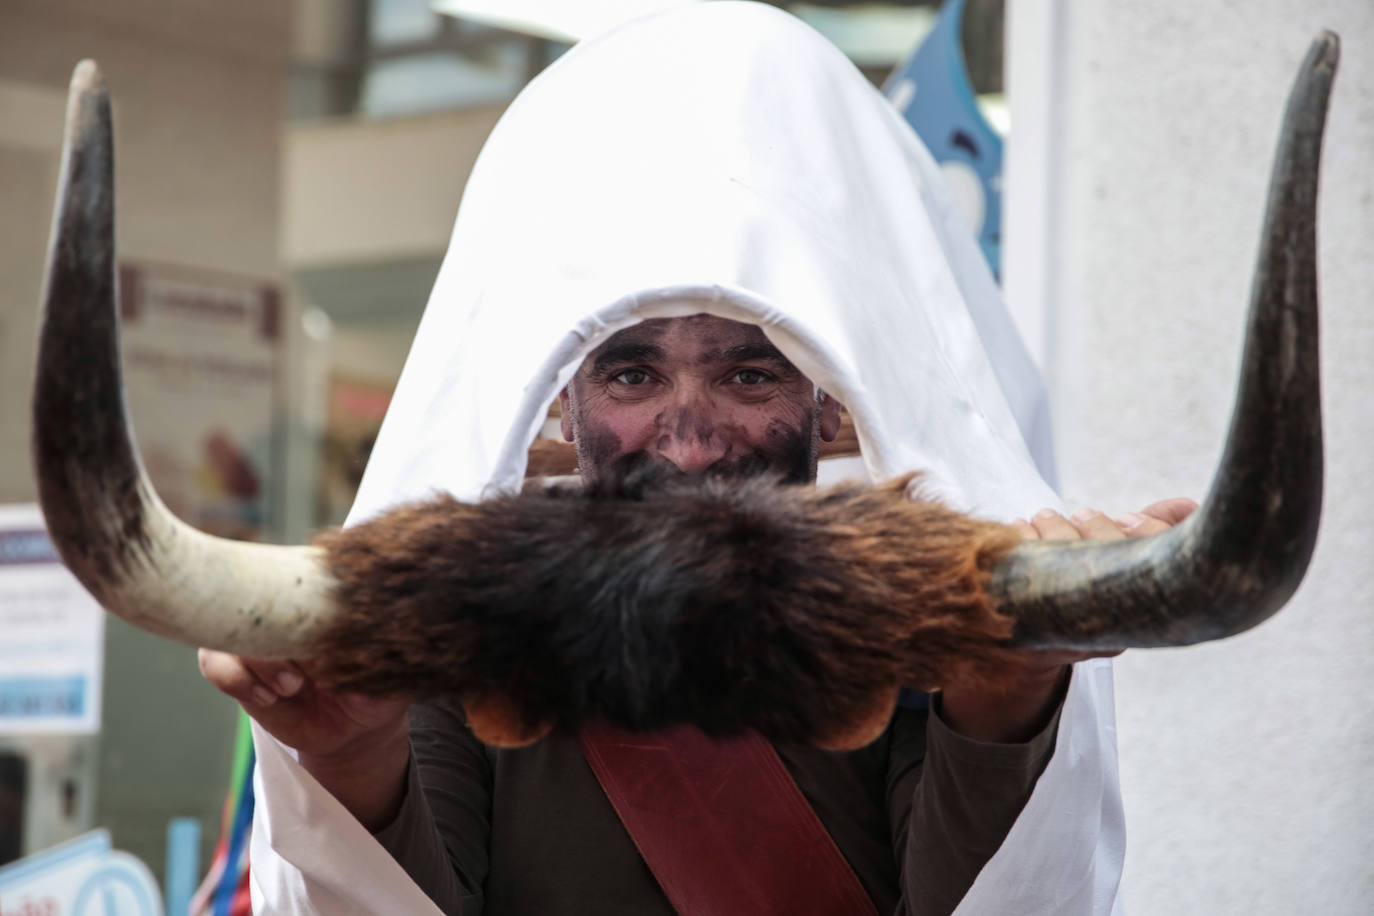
[(729, 604)]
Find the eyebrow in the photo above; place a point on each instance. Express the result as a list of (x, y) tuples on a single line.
[(746, 352), (620, 354)]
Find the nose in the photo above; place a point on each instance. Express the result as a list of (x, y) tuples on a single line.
[(692, 456), (691, 438)]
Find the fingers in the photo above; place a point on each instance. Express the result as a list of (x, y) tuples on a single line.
[(1157, 517), (253, 682), (229, 674), (1089, 524), (1051, 526), (1086, 524), (1094, 526), (1138, 526), (1171, 511)]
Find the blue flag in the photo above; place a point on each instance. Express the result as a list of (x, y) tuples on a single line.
[(931, 89)]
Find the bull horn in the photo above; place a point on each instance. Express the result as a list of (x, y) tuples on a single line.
[(1240, 557), (103, 516)]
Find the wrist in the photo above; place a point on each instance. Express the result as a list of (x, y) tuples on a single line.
[(1009, 711), (367, 774)]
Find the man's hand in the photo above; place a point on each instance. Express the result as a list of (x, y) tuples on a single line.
[(1091, 525), (356, 747), (1018, 706)]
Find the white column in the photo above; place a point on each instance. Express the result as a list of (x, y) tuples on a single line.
[(1245, 764)]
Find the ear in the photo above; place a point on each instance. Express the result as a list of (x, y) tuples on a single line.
[(865, 727), (566, 420), (830, 417), (497, 722)]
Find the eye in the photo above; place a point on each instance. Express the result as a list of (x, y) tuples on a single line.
[(752, 377), (631, 377)]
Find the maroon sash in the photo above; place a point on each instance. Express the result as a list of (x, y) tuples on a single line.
[(722, 825)]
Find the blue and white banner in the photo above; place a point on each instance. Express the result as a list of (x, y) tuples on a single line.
[(931, 89), (81, 877), (52, 635)]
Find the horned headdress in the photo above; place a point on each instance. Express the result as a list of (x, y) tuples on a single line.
[(440, 596)]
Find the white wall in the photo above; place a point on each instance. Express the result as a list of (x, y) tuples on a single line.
[(1244, 763)]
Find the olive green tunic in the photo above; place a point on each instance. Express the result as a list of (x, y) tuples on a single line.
[(501, 832)]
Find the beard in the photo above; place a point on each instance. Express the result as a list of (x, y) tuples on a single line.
[(790, 456)]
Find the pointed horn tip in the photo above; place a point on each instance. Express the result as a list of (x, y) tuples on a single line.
[(87, 77), (88, 102), (1327, 48)]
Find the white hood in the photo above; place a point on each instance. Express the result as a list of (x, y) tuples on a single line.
[(722, 158)]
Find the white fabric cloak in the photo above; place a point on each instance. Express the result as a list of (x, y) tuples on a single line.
[(720, 158)]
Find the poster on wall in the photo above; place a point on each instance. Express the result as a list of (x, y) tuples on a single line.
[(201, 355), (54, 635)]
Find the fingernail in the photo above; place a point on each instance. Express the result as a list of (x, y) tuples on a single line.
[(1046, 513), (1082, 515), (263, 697), (1130, 520), (288, 682)]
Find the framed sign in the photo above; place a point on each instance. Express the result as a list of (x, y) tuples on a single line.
[(201, 355), (54, 635)]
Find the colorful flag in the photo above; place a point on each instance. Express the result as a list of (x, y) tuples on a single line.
[(224, 892), (932, 91)]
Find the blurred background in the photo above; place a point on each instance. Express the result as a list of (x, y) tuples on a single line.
[(288, 174)]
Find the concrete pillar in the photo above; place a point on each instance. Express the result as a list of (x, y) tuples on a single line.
[(1142, 140)]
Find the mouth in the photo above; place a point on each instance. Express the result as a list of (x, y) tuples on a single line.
[(641, 470)]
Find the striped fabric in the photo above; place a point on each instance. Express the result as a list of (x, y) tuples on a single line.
[(224, 892)]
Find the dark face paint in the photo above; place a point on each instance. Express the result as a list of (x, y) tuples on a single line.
[(789, 455), (597, 447), (701, 396)]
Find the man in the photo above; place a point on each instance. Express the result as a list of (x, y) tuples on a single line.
[(725, 161), (763, 186), (692, 395)]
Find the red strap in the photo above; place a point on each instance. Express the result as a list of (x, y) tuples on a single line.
[(722, 825)]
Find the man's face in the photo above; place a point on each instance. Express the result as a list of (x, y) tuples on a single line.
[(699, 395)]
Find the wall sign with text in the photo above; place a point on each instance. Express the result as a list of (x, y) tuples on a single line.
[(54, 635), (201, 355)]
